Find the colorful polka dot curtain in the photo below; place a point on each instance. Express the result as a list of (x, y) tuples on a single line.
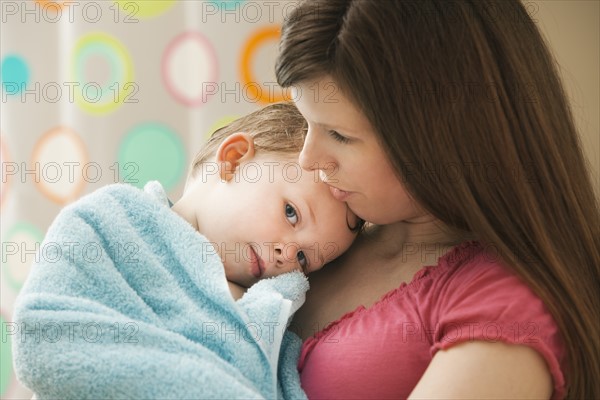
[(98, 92)]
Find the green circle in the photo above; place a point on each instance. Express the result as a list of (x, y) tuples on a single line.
[(227, 5), (5, 359), (19, 227), (151, 151)]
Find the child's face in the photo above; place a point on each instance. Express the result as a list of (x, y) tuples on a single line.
[(269, 218)]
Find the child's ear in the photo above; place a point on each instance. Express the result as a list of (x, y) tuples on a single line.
[(235, 148)]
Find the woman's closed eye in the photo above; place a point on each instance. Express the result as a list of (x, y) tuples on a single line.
[(340, 138)]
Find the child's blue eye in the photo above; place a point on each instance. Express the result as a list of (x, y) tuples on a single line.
[(291, 214), (302, 260), (338, 137)]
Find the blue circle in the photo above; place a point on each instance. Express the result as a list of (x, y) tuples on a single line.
[(15, 74)]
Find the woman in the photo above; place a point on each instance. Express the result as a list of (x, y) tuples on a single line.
[(445, 125)]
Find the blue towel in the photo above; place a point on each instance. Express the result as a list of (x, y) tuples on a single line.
[(127, 300)]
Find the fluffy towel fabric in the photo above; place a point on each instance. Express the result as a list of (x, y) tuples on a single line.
[(127, 300)]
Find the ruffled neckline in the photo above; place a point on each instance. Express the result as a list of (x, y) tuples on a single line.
[(450, 259)]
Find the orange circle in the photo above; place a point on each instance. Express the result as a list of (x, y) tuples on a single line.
[(257, 39), (5, 159), (59, 130), (46, 3)]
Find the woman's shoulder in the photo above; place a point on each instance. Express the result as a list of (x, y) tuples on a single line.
[(476, 296), (474, 274), (477, 264), (473, 292)]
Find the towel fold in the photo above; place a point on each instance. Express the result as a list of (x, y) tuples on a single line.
[(127, 300)]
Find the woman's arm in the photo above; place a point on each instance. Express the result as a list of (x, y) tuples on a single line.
[(485, 370)]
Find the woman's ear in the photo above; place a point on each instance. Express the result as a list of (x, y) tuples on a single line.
[(232, 151)]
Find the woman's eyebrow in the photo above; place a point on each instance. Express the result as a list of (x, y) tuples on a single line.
[(340, 128), (324, 126)]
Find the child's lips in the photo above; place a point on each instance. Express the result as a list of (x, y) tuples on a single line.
[(257, 266)]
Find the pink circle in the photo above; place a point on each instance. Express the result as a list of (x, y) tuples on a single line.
[(199, 51)]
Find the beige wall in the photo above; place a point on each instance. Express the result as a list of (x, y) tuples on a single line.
[(573, 32)]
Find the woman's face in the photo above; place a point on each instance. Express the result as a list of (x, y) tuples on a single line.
[(342, 144)]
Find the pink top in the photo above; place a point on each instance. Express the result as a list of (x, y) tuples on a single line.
[(382, 352)]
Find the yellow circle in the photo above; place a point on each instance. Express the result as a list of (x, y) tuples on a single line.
[(144, 8), (269, 33), (123, 89), (218, 124)]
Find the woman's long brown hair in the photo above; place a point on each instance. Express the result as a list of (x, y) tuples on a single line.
[(466, 98)]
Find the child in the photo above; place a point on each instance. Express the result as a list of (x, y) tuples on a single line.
[(149, 314), (263, 214)]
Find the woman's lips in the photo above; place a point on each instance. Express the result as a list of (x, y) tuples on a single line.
[(257, 267), (339, 194)]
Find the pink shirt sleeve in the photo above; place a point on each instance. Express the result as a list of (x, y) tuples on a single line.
[(381, 352), (493, 304)]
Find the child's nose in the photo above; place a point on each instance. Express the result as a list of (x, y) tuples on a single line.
[(286, 254)]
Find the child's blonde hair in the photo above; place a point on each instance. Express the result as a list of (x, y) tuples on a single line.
[(277, 128)]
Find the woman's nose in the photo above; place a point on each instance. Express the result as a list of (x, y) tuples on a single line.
[(309, 156)]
